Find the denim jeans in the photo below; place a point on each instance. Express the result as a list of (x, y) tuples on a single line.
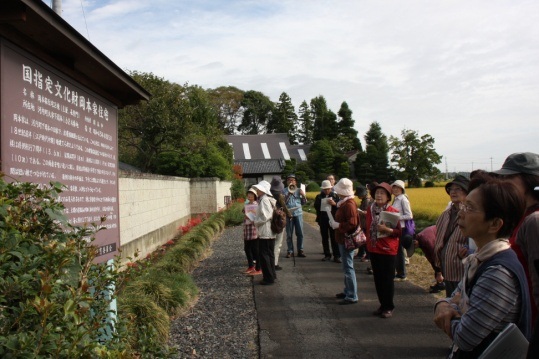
[(296, 223), (350, 282)]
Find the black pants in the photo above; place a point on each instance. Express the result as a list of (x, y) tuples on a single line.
[(266, 255), (383, 267), (251, 251), (328, 234)]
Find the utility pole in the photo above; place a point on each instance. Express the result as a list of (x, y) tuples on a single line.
[(57, 6), (490, 164)]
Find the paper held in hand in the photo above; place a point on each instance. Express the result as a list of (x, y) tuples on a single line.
[(324, 205), (250, 211), (390, 219)]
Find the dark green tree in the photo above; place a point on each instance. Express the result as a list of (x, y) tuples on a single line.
[(373, 164), (227, 103), (284, 118), (414, 156), (325, 121), (321, 159), (152, 127), (347, 139), (176, 132), (306, 124), (257, 111)]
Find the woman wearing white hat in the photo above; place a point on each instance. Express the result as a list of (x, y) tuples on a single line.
[(346, 222), (402, 204), (266, 237)]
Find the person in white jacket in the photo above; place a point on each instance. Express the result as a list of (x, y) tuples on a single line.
[(266, 237)]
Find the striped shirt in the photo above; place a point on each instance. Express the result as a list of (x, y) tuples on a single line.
[(446, 251), (494, 302)]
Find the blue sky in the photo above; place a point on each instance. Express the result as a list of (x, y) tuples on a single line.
[(465, 72)]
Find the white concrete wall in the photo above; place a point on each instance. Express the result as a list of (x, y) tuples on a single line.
[(208, 194), (153, 207)]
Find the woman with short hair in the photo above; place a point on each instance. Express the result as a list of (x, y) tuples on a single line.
[(494, 290)]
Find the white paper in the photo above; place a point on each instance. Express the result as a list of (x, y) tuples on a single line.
[(509, 344), (330, 215), (390, 219), (324, 205), (303, 188)]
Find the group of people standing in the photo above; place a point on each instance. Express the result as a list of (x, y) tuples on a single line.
[(262, 246), (487, 254), (485, 246)]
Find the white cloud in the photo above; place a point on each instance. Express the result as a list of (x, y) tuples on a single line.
[(463, 71)]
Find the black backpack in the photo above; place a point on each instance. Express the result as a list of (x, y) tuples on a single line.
[(278, 220)]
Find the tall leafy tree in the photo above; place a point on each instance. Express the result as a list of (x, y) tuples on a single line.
[(414, 156), (373, 164), (284, 118), (150, 128), (321, 158), (227, 103), (325, 121), (257, 111), (176, 132), (347, 139), (306, 124)]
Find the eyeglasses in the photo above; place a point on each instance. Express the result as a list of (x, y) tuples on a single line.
[(465, 208)]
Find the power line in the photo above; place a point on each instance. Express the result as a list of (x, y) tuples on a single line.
[(85, 23)]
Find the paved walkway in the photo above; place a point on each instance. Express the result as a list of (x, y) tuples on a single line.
[(299, 316)]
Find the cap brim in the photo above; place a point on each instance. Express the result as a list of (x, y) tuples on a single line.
[(505, 171)]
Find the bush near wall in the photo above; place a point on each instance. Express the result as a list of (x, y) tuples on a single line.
[(51, 292)]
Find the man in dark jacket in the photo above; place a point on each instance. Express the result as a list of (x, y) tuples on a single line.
[(322, 218)]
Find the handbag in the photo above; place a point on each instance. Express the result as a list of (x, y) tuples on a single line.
[(356, 239), (409, 227)]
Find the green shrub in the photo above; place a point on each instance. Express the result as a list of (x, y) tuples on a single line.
[(237, 190), (312, 187), (51, 292), (233, 215), (429, 184)]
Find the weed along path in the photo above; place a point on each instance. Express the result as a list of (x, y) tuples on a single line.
[(300, 317)]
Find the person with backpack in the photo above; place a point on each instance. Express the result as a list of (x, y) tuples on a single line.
[(276, 190), (295, 198), (322, 218), (266, 237)]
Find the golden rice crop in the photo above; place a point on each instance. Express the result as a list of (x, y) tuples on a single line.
[(428, 203)]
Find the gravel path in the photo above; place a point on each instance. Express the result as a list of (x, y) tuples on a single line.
[(223, 323)]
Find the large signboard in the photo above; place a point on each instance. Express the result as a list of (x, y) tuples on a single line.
[(54, 129)]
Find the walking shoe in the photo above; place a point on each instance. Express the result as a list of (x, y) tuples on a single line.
[(346, 301), (399, 278), (301, 254), (340, 295), (249, 270), (326, 259), (288, 255), (377, 312), (369, 270), (337, 260), (263, 282), (278, 267), (255, 272), (386, 314)]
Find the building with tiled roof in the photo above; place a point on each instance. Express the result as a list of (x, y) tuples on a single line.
[(263, 156)]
